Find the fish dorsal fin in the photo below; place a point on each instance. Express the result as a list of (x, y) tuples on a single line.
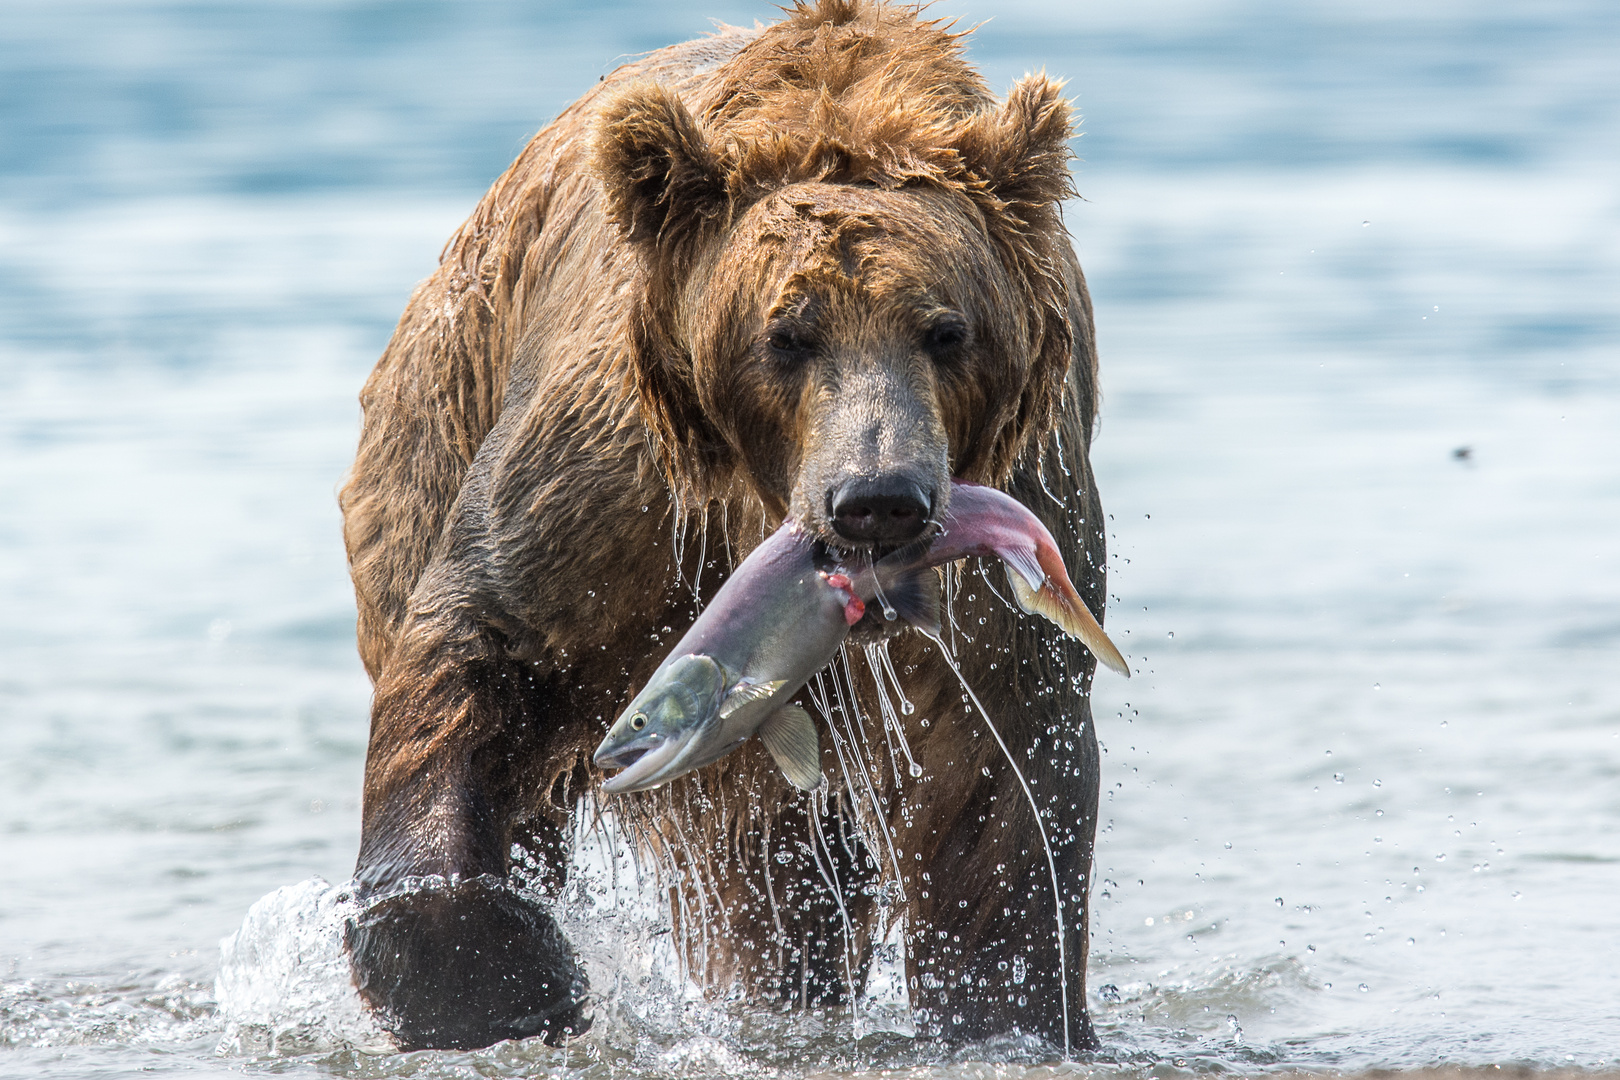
[(748, 694), (790, 735), (915, 598)]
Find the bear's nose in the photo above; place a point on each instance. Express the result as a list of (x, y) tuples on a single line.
[(884, 510)]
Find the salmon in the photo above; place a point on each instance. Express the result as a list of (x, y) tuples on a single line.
[(782, 616)]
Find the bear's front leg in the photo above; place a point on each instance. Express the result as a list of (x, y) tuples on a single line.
[(989, 884), (984, 950), (447, 953)]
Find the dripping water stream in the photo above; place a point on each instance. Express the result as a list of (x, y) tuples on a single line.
[(1040, 824)]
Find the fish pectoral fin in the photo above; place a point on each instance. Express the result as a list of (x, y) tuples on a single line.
[(749, 693), (790, 736), (915, 598)]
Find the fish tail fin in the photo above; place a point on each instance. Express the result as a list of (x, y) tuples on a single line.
[(790, 736), (1042, 587)]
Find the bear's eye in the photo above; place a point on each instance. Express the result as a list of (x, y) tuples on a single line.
[(638, 721), (946, 333), (787, 342)]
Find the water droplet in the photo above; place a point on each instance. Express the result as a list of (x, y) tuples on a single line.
[(1279, 901), (1363, 988), (916, 770)]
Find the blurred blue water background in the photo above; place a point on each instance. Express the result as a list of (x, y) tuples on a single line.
[(1357, 273)]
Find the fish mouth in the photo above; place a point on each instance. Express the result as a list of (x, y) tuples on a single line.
[(620, 759), (644, 766)]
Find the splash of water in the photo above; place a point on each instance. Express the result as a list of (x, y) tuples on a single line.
[(885, 1003), (828, 870), (881, 650), (703, 555), (725, 535), (615, 915), (889, 614), (1062, 458), (952, 584), (854, 724), (886, 679), (284, 984), (1040, 825), (842, 711), (677, 535), (1040, 472)]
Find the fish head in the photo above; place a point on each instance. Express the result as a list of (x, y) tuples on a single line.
[(649, 739)]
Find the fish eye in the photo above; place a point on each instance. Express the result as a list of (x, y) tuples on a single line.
[(638, 721)]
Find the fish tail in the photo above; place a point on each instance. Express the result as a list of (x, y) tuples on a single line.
[(986, 518), (1051, 594)]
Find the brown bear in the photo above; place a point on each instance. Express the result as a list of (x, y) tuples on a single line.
[(811, 269)]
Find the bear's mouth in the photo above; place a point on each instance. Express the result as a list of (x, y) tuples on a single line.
[(834, 551), (872, 627)]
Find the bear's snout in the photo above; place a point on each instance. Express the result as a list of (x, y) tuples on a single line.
[(883, 510)]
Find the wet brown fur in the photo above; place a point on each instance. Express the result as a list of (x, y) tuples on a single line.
[(581, 384)]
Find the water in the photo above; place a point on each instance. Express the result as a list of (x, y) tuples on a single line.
[(1360, 809)]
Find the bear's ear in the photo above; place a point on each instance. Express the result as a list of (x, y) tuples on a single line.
[(1020, 153), (662, 178)]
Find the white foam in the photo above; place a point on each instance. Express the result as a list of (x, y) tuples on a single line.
[(615, 915), (284, 984)]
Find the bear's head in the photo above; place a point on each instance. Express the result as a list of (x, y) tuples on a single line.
[(854, 285)]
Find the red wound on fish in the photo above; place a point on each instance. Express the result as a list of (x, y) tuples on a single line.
[(854, 609)]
